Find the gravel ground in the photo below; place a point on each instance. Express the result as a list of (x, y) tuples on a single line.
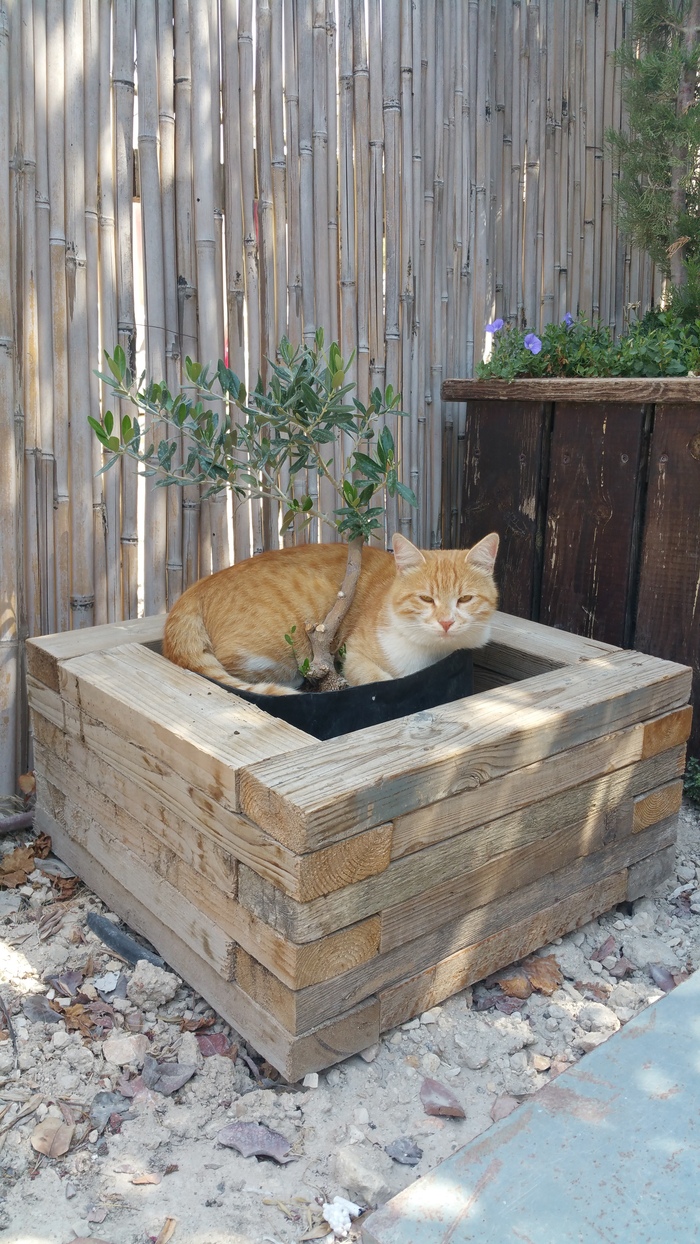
[(142, 1165)]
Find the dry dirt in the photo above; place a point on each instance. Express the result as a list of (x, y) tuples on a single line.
[(203, 1193)]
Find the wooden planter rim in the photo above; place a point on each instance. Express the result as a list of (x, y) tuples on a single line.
[(574, 389)]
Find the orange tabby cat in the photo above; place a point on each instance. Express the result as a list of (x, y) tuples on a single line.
[(409, 611)]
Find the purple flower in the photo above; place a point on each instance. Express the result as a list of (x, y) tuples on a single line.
[(532, 343), (495, 327), (568, 320)]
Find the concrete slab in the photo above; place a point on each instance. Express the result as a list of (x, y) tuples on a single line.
[(609, 1151)]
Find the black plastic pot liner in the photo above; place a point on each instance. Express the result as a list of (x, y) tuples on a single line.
[(326, 714)]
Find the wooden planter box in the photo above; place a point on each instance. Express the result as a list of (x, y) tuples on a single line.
[(593, 486), (317, 894)]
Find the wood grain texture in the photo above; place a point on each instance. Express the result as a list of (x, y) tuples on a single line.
[(174, 714), (668, 609), (418, 993), (293, 1057), (321, 795), (644, 877), (501, 492), (159, 797), (520, 648), (573, 389), (45, 654), (591, 518), (320, 1002), (416, 830), (656, 805), (667, 731), (460, 869), (125, 840)]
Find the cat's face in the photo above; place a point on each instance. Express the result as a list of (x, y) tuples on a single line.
[(445, 598)]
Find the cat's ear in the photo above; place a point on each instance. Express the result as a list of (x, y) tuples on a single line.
[(483, 555), (406, 555)]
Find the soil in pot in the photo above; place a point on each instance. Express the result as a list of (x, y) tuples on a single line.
[(326, 714)]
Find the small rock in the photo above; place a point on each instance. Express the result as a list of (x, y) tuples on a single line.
[(595, 967), (431, 1016), (518, 1062), (685, 872), (93, 1135), (60, 1039), (123, 1050), (609, 961), (641, 949), (578, 938), (71, 1191), (311, 1080), (412, 1023), (151, 986), (371, 1052), (590, 1041), (540, 1062), (430, 1063), (333, 1077), (695, 902), (25, 1061), (595, 1017), (361, 1173), (361, 1116)]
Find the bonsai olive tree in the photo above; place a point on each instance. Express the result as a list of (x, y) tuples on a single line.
[(257, 443)]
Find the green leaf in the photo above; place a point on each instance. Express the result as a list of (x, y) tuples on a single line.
[(194, 370), (108, 422), (407, 493)]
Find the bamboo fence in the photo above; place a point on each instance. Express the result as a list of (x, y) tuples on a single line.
[(200, 177)]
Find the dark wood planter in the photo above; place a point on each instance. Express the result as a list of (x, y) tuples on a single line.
[(594, 486)]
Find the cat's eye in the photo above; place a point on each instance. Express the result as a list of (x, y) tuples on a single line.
[(464, 600), (428, 600)]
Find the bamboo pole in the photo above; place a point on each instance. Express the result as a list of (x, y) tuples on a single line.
[(360, 76), (414, 404), (245, 64), (184, 247), (532, 275), (264, 181), (279, 170), (553, 48), (123, 103), (427, 61), (348, 303), (108, 309), (406, 276), (81, 438), (46, 465), (332, 173), (436, 276), (607, 256), (32, 535), (320, 209), (166, 129), (205, 159), (391, 105), (577, 165), (291, 94), (563, 258), (235, 253), (91, 33), (9, 484), (155, 533), (377, 372)]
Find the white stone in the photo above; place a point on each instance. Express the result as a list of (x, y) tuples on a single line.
[(7, 1057), (123, 1050), (540, 1062), (360, 1173), (412, 1023), (371, 1052), (311, 1080), (590, 1041), (595, 1017), (431, 1016), (685, 872), (609, 961), (361, 1116), (60, 1039), (641, 950), (151, 986), (595, 967)]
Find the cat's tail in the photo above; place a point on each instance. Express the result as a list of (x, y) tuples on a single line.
[(186, 643)]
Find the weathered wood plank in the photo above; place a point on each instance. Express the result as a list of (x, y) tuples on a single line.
[(416, 830), (45, 653), (644, 877), (656, 805), (321, 1002), (292, 1056), (175, 910), (668, 609), (591, 519), (521, 649), (156, 795), (428, 988), (569, 389), (502, 465), (320, 795), (213, 732), (222, 916), (46, 702), (592, 813)]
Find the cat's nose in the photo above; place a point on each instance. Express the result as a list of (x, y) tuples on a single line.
[(446, 623)]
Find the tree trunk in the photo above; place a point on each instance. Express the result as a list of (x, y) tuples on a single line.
[(322, 673)]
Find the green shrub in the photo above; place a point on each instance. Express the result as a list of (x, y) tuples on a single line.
[(661, 344)]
